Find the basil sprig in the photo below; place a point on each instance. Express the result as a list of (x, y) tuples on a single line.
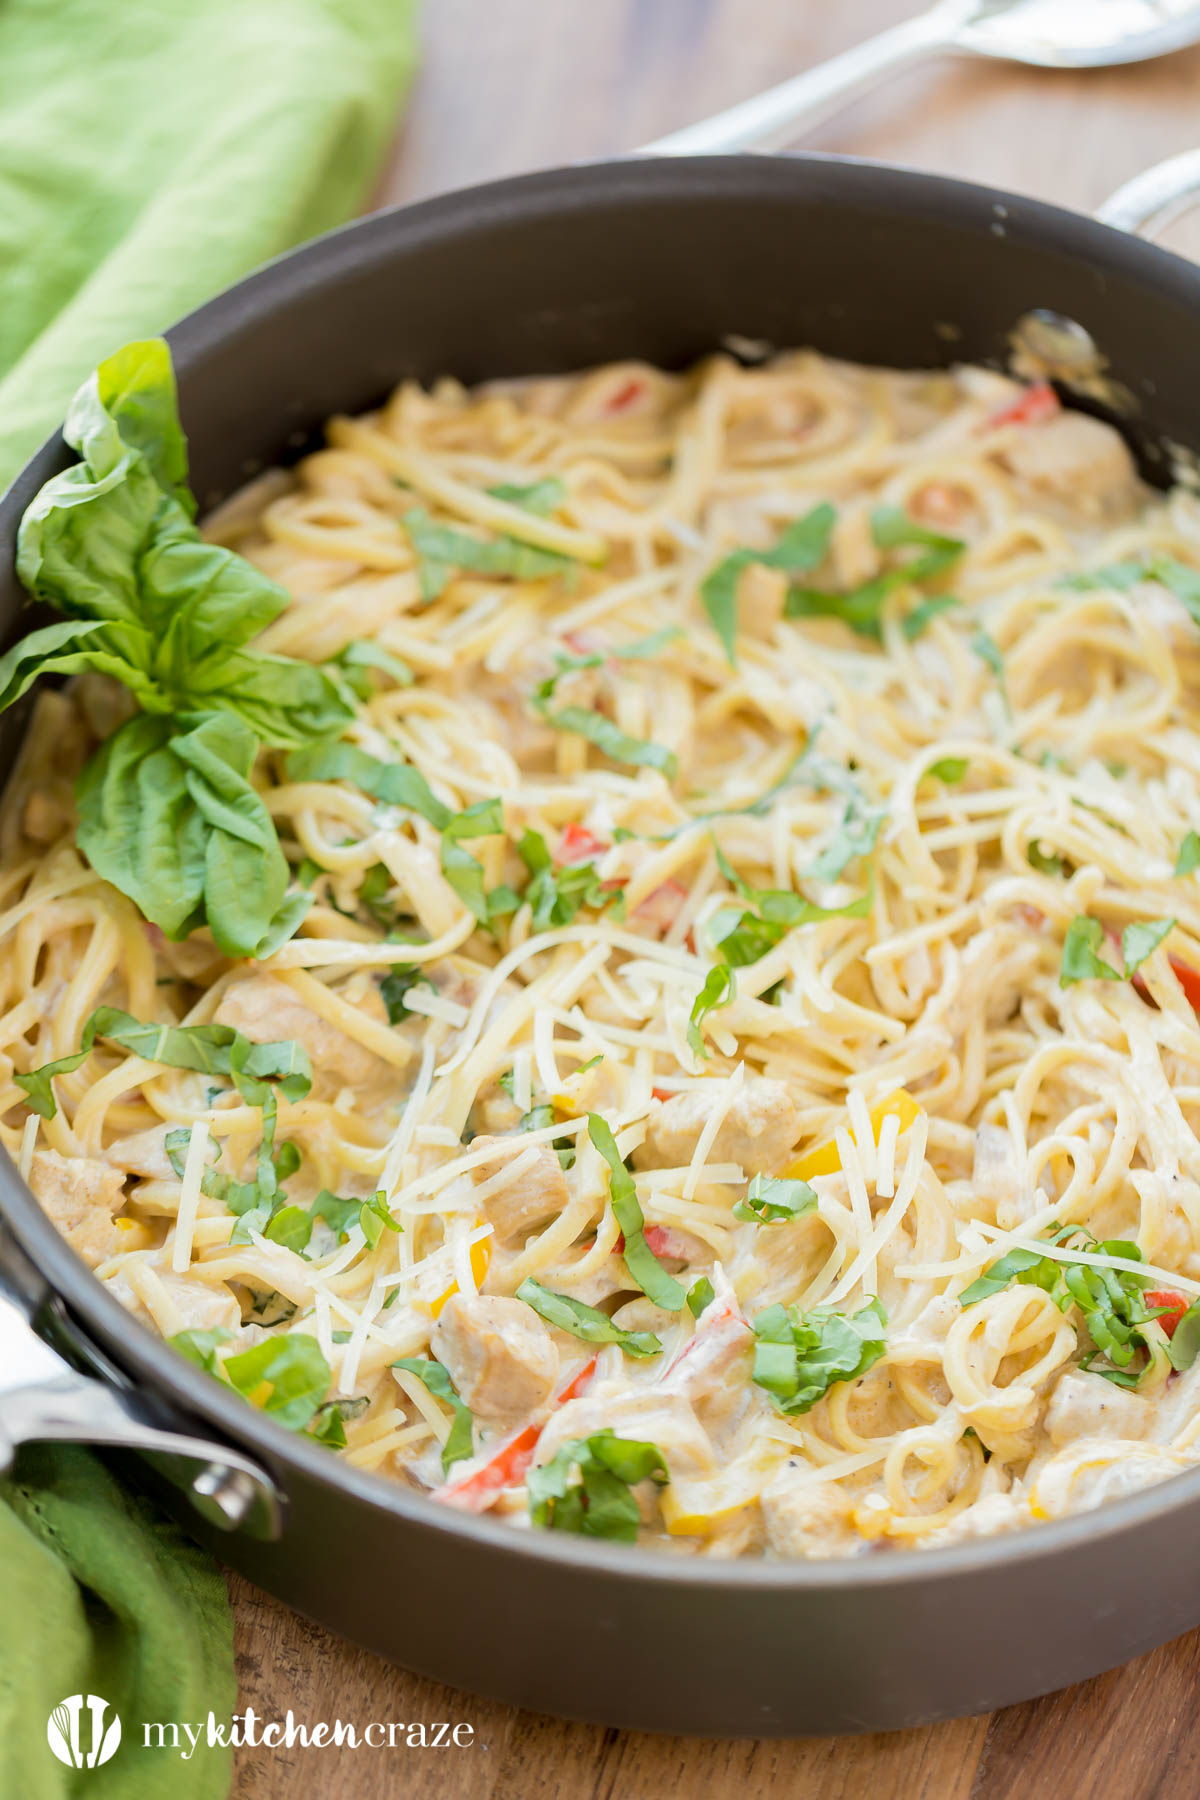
[(585, 1322), (644, 1267), (741, 936), (460, 1444), (798, 1356), (167, 810), (587, 1486), (555, 895), (771, 1199)]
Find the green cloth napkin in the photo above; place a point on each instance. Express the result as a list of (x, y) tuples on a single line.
[(153, 151), (100, 1594)]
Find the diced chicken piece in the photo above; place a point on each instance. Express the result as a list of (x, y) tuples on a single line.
[(145, 1153), (757, 1132), (538, 1192), (807, 1518), (647, 1416), (79, 1196), (1087, 1406), (500, 1356), (1077, 461), (265, 1009), (1092, 1471), (761, 593)]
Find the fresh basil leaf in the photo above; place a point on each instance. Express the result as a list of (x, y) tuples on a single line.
[(201, 1347), (338, 1214), (599, 1503), (1043, 863), (585, 1322), (644, 1267), (608, 737), (292, 1227), (441, 549), (1180, 578), (1183, 1346), (460, 1444), (395, 988), (701, 1295), (636, 650), (1080, 959), (357, 659), (950, 769), (294, 1371), (555, 895), (772, 1199), (798, 1356), (718, 989), (395, 784), (1189, 854), (918, 621), (1025, 1266), (208, 1049), (375, 1216), (862, 607), (802, 547), (329, 1421), (542, 497)]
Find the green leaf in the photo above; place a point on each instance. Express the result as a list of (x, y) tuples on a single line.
[(586, 1487), (296, 1374), (1180, 578), (555, 895), (585, 1322), (862, 608), (1183, 1346), (208, 1049), (441, 549), (924, 613), (329, 1421), (802, 547), (1189, 854), (700, 1296), (291, 1226), (772, 1199), (460, 1444), (641, 1262), (395, 988), (541, 497), (642, 649), (798, 1356), (1080, 959), (1039, 860), (718, 989), (357, 659), (393, 783), (741, 937), (608, 737), (950, 769), (201, 1347), (375, 1217)]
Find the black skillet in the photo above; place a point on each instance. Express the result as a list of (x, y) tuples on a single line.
[(661, 259)]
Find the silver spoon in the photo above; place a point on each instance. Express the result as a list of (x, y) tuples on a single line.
[(1050, 34)]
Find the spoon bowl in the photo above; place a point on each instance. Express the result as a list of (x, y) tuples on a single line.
[(1079, 34)]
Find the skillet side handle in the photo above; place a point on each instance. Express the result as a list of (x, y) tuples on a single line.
[(1150, 201), (45, 1399)]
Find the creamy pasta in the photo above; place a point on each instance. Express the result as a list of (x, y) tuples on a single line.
[(769, 1123)]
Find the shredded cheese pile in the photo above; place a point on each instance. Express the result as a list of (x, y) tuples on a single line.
[(949, 795)]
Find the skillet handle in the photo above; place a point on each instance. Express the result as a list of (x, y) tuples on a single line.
[(1151, 200), (44, 1398)]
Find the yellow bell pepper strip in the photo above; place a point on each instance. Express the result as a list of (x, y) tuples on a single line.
[(824, 1160), (481, 1256)]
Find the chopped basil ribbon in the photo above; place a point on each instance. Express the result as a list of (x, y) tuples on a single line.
[(443, 549), (395, 988), (799, 1356), (771, 1199), (1112, 1301), (862, 608), (555, 895), (636, 650), (950, 769), (329, 1421), (1044, 864), (1189, 854), (608, 737), (599, 1503), (357, 660), (701, 1295), (460, 1443), (922, 616), (1183, 1346), (718, 989), (644, 1267), (1155, 565), (208, 1049), (741, 937), (801, 548), (399, 784), (292, 1369), (585, 1322), (1080, 958), (541, 497), (167, 809)]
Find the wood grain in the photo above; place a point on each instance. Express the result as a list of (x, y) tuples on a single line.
[(522, 84)]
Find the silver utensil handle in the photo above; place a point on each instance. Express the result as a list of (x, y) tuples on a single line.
[(1152, 199), (43, 1398), (769, 120)]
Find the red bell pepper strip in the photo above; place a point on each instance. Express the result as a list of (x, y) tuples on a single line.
[(1173, 1304), (508, 1465), (1037, 404)]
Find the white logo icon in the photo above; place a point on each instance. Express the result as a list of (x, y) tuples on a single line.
[(83, 1742)]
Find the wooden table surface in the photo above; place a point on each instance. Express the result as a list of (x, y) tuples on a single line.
[(509, 85)]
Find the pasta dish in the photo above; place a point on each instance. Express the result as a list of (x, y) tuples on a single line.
[(623, 949)]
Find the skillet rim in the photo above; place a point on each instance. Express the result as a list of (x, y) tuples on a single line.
[(140, 1353)]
